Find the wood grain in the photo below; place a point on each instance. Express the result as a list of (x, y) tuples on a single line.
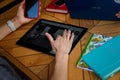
[(39, 66)]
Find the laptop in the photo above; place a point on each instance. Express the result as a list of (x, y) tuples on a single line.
[(35, 38), (93, 9)]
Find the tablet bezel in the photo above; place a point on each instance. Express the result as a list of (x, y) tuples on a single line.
[(22, 42)]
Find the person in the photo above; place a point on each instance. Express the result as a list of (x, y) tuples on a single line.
[(117, 14), (18, 20), (61, 46)]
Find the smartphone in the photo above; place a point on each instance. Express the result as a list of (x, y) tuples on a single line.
[(31, 8), (59, 3)]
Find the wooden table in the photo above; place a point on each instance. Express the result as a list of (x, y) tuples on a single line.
[(40, 66)]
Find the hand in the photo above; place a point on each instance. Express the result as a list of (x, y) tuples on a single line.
[(118, 14), (20, 15), (62, 45)]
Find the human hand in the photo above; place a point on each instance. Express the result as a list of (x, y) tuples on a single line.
[(62, 45), (117, 14), (20, 14)]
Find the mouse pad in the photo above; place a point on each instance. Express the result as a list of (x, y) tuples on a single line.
[(35, 38)]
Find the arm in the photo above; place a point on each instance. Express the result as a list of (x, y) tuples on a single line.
[(18, 20), (61, 46)]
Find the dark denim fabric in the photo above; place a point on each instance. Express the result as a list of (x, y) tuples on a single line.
[(6, 71)]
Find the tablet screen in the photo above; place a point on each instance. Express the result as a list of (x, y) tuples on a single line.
[(35, 38)]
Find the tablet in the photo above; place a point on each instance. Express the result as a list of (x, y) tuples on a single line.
[(35, 38)]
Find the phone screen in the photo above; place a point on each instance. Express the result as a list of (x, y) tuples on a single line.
[(59, 2), (31, 8)]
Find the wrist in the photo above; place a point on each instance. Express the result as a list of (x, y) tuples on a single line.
[(16, 22), (61, 57), (61, 61)]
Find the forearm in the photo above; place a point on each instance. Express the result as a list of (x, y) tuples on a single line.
[(61, 46), (61, 68), (5, 30)]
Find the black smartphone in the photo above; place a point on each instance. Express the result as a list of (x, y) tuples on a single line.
[(59, 3), (31, 8)]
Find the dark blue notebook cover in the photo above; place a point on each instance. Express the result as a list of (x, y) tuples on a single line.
[(105, 60), (93, 9)]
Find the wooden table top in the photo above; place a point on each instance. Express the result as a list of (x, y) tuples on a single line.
[(40, 66)]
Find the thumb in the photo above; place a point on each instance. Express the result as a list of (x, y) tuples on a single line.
[(50, 38)]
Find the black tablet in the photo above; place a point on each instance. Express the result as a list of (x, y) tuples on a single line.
[(35, 38)]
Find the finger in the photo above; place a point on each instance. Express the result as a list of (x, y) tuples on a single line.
[(68, 34), (39, 2), (64, 33), (39, 10), (22, 5), (72, 38), (39, 7), (50, 38), (117, 14), (58, 37)]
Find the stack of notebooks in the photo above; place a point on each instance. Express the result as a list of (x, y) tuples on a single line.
[(95, 41), (105, 59)]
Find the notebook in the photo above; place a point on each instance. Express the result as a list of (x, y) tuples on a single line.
[(105, 60), (57, 6), (93, 9), (35, 38)]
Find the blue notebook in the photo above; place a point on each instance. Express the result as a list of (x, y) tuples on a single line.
[(105, 60), (93, 9)]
